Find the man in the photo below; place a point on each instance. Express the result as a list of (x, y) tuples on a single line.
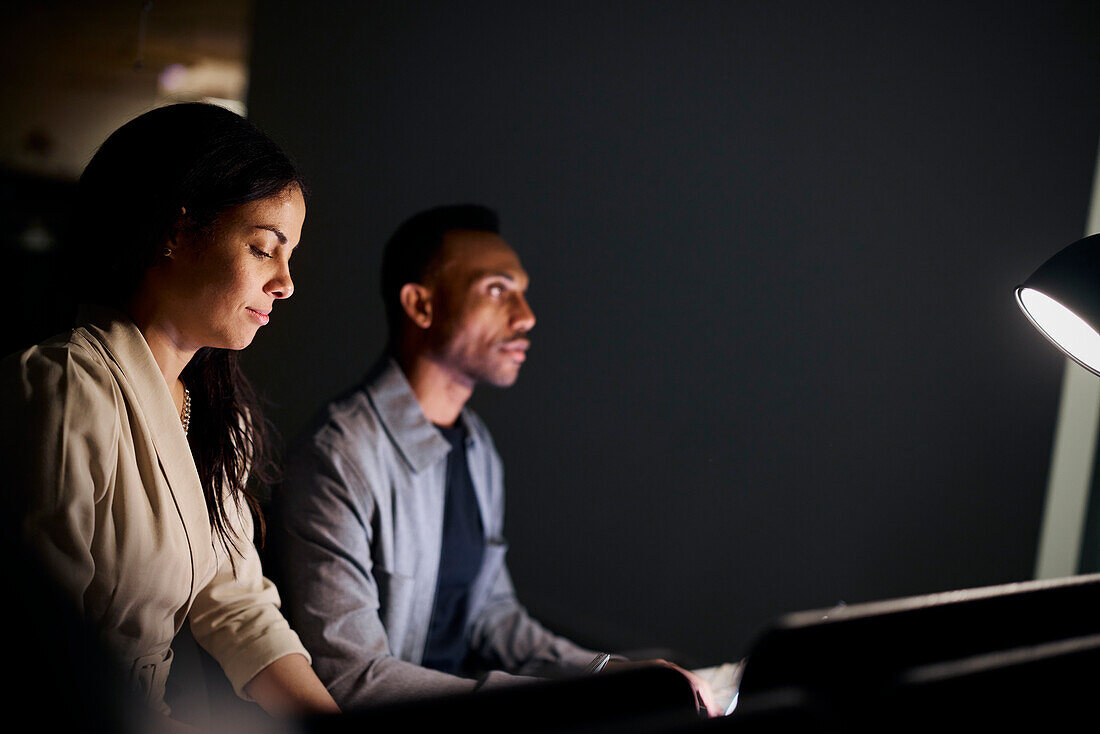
[(389, 521)]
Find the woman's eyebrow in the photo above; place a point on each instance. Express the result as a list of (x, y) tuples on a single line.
[(276, 230)]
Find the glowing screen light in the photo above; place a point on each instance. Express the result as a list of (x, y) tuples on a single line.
[(1063, 327)]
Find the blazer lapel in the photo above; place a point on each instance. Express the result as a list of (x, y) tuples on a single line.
[(125, 345)]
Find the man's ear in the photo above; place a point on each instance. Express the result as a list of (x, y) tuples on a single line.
[(416, 300)]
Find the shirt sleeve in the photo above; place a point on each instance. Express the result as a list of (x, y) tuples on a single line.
[(322, 534), (505, 636), (502, 633), (236, 616), (61, 430)]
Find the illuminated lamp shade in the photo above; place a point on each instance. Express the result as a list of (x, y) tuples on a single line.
[(1062, 300)]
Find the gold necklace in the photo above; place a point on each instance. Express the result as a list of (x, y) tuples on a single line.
[(185, 417)]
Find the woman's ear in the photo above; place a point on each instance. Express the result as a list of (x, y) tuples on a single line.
[(416, 300), (175, 232)]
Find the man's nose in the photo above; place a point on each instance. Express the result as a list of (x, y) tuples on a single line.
[(523, 318)]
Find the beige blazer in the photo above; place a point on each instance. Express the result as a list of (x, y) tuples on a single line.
[(116, 508)]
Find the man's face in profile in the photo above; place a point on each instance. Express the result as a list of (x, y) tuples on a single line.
[(480, 315)]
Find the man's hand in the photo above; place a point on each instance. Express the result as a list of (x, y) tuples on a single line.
[(704, 697)]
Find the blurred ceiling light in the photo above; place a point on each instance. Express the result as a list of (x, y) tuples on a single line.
[(171, 78), (218, 78)]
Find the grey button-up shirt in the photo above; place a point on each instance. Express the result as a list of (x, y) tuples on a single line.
[(357, 531)]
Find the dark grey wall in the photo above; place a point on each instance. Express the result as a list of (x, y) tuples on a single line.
[(772, 247)]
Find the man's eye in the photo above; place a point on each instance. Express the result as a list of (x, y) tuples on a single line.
[(258, 252), (496, 289)]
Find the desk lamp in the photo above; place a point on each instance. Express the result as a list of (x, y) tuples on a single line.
[(1062, 300)]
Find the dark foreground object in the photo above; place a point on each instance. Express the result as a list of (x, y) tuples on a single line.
[(1027, 652), (642, 701)]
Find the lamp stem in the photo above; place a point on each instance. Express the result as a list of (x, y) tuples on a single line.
[(1073, 453)]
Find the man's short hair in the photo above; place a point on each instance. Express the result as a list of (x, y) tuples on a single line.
[(413, 250)]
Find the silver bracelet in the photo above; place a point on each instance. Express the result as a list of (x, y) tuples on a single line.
[(598, 663)]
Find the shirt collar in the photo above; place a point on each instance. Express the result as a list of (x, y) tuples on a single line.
[(420, 443)]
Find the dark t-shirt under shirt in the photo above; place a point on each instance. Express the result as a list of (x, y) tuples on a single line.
[(459, 563)]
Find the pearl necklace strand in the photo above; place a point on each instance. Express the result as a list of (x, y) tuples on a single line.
[(185, 417)]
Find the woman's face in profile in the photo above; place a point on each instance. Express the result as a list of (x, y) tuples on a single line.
[(222, 284)]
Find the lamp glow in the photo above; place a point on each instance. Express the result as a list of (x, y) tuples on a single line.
[(1062, 326)]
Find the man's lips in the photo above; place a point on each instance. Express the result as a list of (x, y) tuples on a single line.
[(516, 349), (261, 317)]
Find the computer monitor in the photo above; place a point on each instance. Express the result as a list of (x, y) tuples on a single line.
[(999, 651)]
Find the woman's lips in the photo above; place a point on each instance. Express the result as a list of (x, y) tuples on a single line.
[(260, 317)]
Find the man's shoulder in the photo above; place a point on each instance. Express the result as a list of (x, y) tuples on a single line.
[(345, 448), (350, 419)]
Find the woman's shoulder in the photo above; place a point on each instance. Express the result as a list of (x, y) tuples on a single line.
[(57, 399), (68, 364)]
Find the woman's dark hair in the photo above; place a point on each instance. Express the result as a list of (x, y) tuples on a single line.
[(203, 160)]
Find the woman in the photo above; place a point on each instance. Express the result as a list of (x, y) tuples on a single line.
[(131, 437)]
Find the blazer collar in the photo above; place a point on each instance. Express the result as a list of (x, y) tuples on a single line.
[(125, 344), (419, 442)]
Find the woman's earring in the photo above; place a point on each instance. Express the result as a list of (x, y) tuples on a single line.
[(167, 252)]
